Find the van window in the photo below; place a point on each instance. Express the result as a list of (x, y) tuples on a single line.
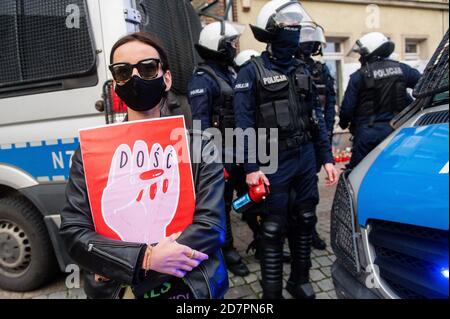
[(44, 41)]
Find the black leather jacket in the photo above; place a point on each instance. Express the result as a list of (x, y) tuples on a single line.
[(121, 261)]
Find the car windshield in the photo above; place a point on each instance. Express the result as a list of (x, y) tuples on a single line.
[(432, 89), (440, 99), (434, 81)]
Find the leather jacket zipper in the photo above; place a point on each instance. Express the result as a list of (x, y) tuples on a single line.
[(115, 244), (92, 248), (191, 287), (205, 275)]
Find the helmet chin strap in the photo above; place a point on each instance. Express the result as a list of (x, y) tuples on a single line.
[(269, 49)]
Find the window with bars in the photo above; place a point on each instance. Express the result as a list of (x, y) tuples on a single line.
[(412, 48), (44, 41)]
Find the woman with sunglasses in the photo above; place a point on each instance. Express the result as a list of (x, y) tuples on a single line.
[(186, 265)]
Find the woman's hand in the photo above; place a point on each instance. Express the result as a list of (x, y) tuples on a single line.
[(171, 258), (332, 174), (254, 179)]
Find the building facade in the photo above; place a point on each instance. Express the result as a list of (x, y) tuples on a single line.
[(416, 27)]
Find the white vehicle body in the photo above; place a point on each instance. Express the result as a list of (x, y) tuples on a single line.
[(54, 118), (42, 112)]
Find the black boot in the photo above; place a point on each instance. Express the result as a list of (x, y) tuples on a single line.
[(300, 241), (317, 242), (299, 286), (233, 260), (271, 291), (271, 260)]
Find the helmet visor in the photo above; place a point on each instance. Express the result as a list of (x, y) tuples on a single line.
[(230, 29), (230, 41), (287, 19), (240, 28), (320, 35), (290, 14), (357, 49), (308, 33)]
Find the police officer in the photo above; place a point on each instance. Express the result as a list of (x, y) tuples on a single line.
[(211, 100), (274, 91), (253, 215), (312, 39), (375, 94)]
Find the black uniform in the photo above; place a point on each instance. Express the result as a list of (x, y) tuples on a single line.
[(211, 98), (269, 95), (324, 83), (375, 94)]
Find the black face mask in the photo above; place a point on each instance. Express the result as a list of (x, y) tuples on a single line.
[(307, 48), (228, 51), (142, 95), (286, 44)]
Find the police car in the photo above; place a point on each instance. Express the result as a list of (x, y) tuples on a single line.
[(389, 222), (55, 56)]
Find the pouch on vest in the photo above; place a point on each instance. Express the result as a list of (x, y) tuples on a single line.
[(400, 97), (283, 114), (303, 83), (269, 117), (222, 114), (275, 114), (371, 106), (318, 78)]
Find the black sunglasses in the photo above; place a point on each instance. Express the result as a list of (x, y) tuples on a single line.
[(148, 69)]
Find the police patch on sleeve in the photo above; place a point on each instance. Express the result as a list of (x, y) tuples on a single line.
[(197, 92), (244, 86)]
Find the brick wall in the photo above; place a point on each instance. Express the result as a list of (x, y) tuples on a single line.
[(218, 9)]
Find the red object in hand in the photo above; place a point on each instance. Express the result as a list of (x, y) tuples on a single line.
[(225, 174), (258, 193)]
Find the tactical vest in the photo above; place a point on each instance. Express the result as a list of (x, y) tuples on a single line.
[(320, 81), (383, 89), (223, 112), (284, 102)]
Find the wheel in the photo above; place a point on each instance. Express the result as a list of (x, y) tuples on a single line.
[(27, 260)]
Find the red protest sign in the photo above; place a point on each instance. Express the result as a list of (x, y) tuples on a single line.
[(139, 179)]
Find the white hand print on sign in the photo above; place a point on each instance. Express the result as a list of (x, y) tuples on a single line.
[(141, 197)]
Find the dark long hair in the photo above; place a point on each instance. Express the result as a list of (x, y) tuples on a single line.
[(147, 38)]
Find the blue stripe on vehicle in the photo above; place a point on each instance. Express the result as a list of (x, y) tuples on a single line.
[(408, 182), (45, 160)]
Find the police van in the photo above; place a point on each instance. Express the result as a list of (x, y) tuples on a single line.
[(390, 215), (54, 80)]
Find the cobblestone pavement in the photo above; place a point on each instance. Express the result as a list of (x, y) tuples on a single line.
[(240, 287), (250, 288)]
